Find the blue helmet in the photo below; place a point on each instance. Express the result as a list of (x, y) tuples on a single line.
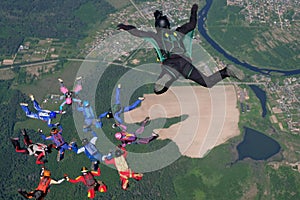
[(52, 114), (86, 103)]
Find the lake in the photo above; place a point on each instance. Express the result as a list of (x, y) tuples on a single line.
[(261, 95), (257, 146)]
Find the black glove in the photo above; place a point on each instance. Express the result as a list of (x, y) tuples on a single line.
[(124, 27), (157, 14), (194, 8)]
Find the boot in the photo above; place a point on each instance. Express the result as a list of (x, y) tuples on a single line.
[(15, 142), (24, 132), (23, 193)]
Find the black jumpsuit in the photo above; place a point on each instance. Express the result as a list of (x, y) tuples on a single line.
[(176, 62)]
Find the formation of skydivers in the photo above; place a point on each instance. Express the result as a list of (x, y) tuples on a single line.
[(40, 150), (175, 61)]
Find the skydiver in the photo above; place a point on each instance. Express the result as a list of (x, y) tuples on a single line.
[(58, 140), (89, 117), (117, 109), (43, 188), (38, 150), (88, 179), (172, 50), (45, 115), (69, 94), (124, 171), (90, 151), (131, 137)]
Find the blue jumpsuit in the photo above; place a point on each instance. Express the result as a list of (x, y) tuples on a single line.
[(90, 150), (89, 118), (59, 142), (117, 109), (45, 115)]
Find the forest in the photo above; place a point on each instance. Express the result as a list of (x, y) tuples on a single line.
[(215, 176), (65, 20)]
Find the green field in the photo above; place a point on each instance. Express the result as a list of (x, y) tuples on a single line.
[(259, 45)]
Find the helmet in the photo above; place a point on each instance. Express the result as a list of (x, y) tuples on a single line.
[(118, 153), (85, 141), (84, 169), (68, 94), (86, 103), (54, 131), (162, 22), (118, 135), (109, 115), (47, 173), (52, 114)]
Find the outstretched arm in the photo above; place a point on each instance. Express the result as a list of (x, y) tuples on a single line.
[(56, 182), (76, 149), (134, 31), (96, 173), (62, 105), (78, 179), (44, 137), (191, 25)]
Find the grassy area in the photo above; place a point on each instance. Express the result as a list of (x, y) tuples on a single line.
[(48, 84), (259, 45)]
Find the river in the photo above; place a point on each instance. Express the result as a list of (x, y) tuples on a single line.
[(202, 29)]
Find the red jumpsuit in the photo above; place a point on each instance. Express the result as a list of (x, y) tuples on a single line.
[(124, 171), (42, 189), (88, 180), (36, 149)]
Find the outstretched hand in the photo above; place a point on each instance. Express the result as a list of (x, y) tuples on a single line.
[(125, 27), (121, 26), (195, 7), (157, 14), (66, 177)]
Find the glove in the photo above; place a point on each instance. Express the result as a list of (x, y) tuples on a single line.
[(194, 8), (157, 14), (125, 27), (122, 26), (66, 177)]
